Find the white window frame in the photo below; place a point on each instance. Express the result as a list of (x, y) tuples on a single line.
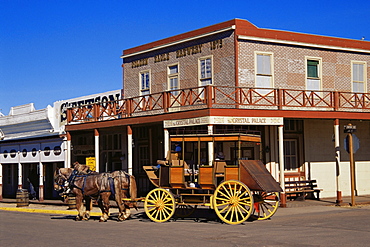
[(200, 72), (141, 89), (200, 79), (364, 75), (257, 74), (173, 76), (318, 78)]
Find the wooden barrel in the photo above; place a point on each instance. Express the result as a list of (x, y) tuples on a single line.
[(22, 198), (71, 202)]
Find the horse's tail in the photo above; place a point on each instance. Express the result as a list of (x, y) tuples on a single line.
[(133, 191)]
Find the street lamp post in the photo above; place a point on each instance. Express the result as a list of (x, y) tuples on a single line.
[(349, 129)]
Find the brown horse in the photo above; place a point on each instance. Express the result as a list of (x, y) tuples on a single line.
[(82, 169), (98, 186)]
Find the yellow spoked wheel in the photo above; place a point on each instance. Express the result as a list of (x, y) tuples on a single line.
[(184, 210), (265, 204), (159, 205), (232, 202)]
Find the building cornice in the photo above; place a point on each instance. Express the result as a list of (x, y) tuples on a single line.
[(297, 43), (247, 31), (179, 42)]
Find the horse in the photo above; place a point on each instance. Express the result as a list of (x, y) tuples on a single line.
[(99, 186), (83, 169)]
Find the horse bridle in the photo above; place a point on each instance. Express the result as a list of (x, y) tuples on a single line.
[(62, 181)]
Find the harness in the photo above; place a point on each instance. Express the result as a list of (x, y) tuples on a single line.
[(128, 182)]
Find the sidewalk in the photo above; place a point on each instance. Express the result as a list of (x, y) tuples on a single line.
[(331, 201), (48, 207), (59, 207)]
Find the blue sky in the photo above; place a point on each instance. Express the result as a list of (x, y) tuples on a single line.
[(55, 50)]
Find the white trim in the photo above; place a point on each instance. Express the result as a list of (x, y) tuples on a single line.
[(286, 42), (175, 75), (150, 81), (179, 42), (199, 70)]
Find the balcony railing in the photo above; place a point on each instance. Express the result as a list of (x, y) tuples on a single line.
[(221, 97)]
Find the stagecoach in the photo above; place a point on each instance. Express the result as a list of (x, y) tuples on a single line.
[(235, 189)]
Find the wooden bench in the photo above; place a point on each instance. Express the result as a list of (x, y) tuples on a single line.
[(301, 190)]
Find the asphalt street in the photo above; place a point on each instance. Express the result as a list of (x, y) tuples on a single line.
[(315, 225)]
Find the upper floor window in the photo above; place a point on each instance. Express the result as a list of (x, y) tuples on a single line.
[(313, 74), (144, 83), (205, 69), (264, 70), (173, 78), (358, 77)]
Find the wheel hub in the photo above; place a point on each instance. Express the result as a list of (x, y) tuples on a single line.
[(159, 205), (234, 201)]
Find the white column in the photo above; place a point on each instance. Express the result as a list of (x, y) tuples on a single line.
[(97, 157), (337, 151), (41, 181), (210, 129), (210, 153), (166, 142), (20, 172), (129, 149), (211, 148), (337, 160), (281, 156), (281, 164), (67, 161)]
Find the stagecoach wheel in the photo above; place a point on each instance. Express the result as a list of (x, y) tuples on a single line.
[(265, 204), (233, 202), (184, 210), (159, 205)]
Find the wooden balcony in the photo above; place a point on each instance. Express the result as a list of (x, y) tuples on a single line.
[(218, 97)]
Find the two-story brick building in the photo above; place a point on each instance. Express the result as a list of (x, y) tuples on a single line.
[(295, 91)]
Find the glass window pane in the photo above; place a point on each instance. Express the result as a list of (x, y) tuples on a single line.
[(208, 68), (174, 83), (202, 69), (206, 82), (145, 83), (358, 72), (205, 68), (358, 87), (263, 81), (313, 84), (263, 64), (313, 68), (173, 69)]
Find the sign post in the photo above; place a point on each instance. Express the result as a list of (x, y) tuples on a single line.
[(349, 129)]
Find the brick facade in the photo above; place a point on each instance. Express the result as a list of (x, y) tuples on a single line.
[(289, 60), (222, 61), (290, 70)]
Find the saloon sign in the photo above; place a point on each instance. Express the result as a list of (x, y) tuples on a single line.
[(224, 120), (85, 100)]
